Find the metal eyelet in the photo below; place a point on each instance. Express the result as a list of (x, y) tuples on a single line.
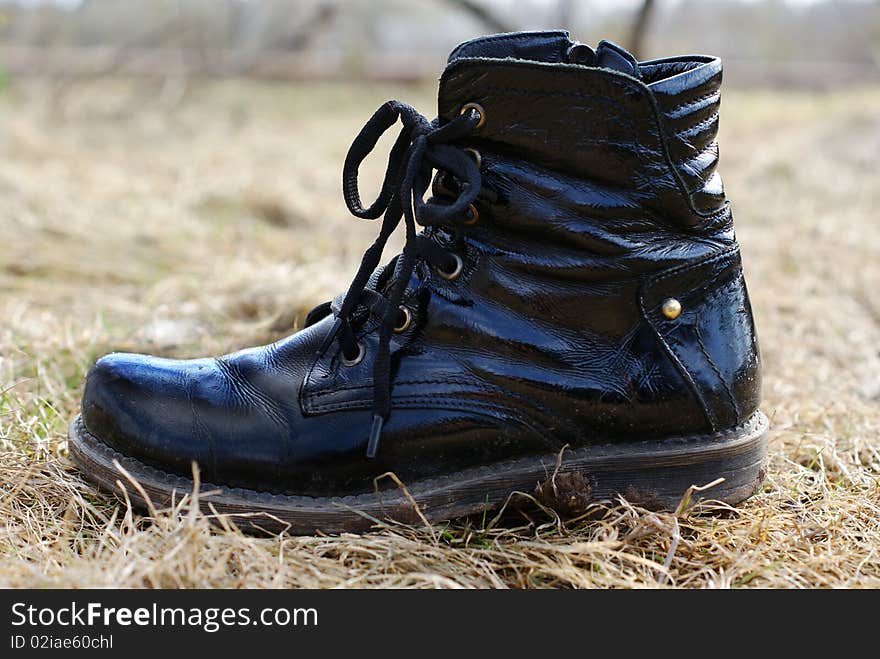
[(476, 107), (407, 320), (473, 216), (475, 155), (453, 275), (357, 360)]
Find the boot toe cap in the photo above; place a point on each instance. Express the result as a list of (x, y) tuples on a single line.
[(138, 405), (167, 413)]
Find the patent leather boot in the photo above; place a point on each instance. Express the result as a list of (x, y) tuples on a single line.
[(568, 317)]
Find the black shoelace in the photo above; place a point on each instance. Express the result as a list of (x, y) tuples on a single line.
[(421, 147)]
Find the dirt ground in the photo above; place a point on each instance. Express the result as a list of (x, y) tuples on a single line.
[(191, 221)]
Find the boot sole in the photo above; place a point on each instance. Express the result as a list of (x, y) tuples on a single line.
[(659, 475)]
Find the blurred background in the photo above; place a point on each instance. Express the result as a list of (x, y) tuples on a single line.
[(812, 42), (170, 183), (170, 169)]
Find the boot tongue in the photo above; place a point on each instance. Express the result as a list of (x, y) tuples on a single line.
[(611, 56)]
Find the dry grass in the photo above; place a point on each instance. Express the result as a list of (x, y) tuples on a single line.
[(217, 222)]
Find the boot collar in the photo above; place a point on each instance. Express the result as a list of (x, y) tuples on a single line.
[(556, 47), (549, 47)]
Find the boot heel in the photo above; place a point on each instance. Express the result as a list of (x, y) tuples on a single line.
[(664, 474)]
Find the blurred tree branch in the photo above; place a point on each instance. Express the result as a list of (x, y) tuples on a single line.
[(252, 23), (565, 12), (482, 14), (305, 34), (640, 27)]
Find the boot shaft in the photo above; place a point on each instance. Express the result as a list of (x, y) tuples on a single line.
[(600, 201), (641, 134)]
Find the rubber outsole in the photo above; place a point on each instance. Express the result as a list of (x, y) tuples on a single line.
[(653, 474)]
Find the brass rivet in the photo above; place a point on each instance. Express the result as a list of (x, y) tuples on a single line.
[(473, 215), (407, 320), (671, 308), (476, 107)]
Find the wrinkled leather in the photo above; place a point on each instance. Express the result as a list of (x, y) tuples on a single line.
[(599, 201)]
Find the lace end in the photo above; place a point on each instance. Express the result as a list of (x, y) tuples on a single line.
[(328, 340), (375, 433)]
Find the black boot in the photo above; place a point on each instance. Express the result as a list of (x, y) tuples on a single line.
[(577, 290)]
